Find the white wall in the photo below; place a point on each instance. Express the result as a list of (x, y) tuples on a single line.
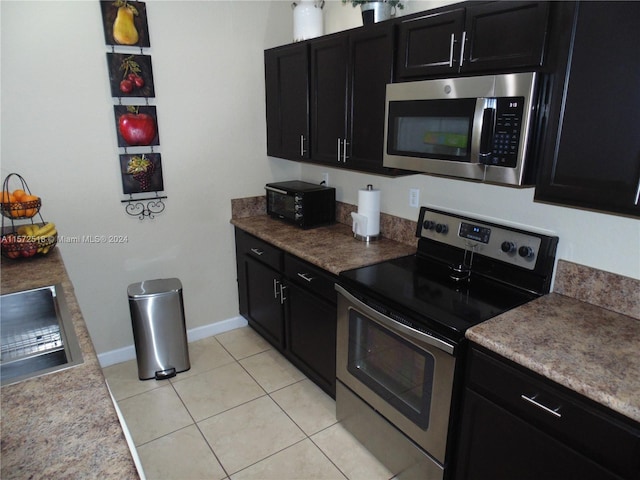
[(58, 131)]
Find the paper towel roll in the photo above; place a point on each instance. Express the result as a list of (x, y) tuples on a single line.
[(369, 206)]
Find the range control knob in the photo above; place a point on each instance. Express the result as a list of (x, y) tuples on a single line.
[(442, 228), (525, 252), (508, 247), (429, 224)]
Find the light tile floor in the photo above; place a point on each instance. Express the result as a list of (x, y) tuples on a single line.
[(241, 412)]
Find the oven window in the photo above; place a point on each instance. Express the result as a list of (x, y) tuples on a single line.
[(393, 368), (281, 204)]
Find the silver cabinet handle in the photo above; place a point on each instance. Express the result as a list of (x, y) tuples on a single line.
[(637, 193), (344, 150), (464, 40), (532, 400), (282, 297), (257, 251), (339, 150), (305, 276), (453, 41), (302, 150), (276, 291)]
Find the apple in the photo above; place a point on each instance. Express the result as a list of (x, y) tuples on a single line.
[(137, 128)]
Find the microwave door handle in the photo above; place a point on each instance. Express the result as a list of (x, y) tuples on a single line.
[(487, 133)]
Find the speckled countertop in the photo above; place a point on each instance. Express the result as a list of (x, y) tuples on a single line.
[(61, 425), (573, 337), (333, 247)]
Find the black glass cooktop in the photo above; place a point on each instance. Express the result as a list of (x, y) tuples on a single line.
[(423, 290)]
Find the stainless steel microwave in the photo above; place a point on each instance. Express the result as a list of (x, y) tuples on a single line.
[(476, 128)]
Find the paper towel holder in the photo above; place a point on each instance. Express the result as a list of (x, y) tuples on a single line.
[(362, 220)]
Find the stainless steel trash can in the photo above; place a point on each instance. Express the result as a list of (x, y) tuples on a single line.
[(159, 331)]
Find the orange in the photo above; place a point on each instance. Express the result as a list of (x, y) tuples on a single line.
[(30, 212), (17, 210), (6, 197), (19, 193)]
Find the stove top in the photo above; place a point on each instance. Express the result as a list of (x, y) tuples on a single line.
[(464, 272)]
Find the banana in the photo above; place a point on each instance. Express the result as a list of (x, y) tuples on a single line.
[(27, 230), (45, 230)]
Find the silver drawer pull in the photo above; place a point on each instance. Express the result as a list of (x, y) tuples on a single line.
[(532, 400), (305, 276), (257, 251), (282, 290)]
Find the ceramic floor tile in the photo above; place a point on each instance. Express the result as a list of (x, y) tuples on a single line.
[(304, 460), (204, 355), (243, 342), (271, 370), (124, 382), (217, 390), (247, 434), (307, 405), (153, 414), (180, 455), (355, 461)]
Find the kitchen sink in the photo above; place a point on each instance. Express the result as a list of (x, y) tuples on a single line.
[(36, 334)]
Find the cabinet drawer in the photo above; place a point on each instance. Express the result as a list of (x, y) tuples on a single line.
[(252, 246), (310, 277), (575, 421)]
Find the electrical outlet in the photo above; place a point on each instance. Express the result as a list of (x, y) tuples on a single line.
[(414, 197), (325, 179)]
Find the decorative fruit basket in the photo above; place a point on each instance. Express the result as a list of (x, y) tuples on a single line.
[(29, 239), (22, 244), (19, 203)]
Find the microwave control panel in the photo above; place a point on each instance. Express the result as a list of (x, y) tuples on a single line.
[(506, 132)]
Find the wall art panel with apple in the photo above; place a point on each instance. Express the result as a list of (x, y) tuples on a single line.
[(125, 23), (130, 75), (136, 125)]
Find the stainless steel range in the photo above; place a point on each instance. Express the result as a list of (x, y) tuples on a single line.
[(401, 324)]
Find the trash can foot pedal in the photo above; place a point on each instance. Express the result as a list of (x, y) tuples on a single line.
[(164, 374)]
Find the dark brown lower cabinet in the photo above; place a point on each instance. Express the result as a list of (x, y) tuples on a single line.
[(264, 305), (311, 336), (517, 425), (292, 304)]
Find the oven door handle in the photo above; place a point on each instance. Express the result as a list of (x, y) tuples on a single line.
[(416, 335)]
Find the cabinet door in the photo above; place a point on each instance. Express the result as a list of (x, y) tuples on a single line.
[(498, 445), (311, 336), (328, 98), (430, 45), (287, 101), (594, 161), (371, 68), (263, 301), (504, 35)]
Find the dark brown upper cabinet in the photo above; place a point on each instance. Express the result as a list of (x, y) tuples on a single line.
[(328, 97), (487, 37), (349, 74), (592, 157), (287, 101)]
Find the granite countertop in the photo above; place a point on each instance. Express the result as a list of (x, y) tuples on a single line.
[(332, 248), (579, 345), (64, 424)]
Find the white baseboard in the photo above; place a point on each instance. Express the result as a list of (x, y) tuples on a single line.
[(127, 353)]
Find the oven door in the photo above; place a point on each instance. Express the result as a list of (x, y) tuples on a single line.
[(404, 374)]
